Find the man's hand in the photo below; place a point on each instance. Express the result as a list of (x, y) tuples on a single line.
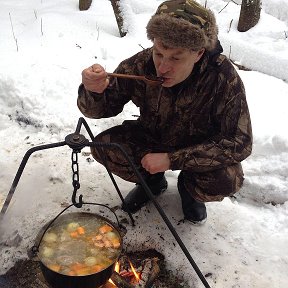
[(156, 162), (95, 78)]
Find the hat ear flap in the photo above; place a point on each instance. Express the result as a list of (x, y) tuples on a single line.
[(211, 32)]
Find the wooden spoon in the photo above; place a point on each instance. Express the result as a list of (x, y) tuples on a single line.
[(152, 80)]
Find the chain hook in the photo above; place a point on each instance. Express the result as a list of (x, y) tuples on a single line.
[(75, 179)]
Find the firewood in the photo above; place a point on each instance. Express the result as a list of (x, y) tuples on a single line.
[(149, 273), (120, 281), (126, 274)]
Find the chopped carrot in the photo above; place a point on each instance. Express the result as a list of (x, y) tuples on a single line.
[(79, 269), (96, 268), (54, 267), (76, 266), (81, 230), (83, 271), (105, 228), (74, 234)]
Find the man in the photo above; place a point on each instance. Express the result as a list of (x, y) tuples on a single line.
[(197, 121)]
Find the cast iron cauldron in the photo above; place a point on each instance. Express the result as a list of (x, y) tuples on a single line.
[(58, 280)]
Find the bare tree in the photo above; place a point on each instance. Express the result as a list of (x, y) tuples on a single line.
[(84, 4), (249, 14), (118, 16)]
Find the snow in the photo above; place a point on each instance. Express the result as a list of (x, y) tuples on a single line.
[(244, 241)]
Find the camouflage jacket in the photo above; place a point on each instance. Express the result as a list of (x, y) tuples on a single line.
[(202, 122)]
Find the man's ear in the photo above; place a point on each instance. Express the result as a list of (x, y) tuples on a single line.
[(200, 54)]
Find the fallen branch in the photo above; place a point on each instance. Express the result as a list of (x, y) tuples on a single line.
[(41, 27), (98, 31), (13, 31), (227, 5), (230, 25), (224, 7)]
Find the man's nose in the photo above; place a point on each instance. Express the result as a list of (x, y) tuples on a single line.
[(164, 67)]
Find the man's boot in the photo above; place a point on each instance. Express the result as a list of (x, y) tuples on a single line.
[(194, 211), (137, 197)]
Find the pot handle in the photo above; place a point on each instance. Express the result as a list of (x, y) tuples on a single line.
[(35, 248)]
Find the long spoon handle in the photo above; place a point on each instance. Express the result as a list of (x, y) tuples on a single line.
[(137, 77), (148, 80)]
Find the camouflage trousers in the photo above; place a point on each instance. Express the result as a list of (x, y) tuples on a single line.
[(205, 187)]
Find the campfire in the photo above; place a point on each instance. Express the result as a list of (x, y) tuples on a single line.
[(142, 274), (133, 270)]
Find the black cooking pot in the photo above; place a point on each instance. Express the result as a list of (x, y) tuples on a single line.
[(58, 280)]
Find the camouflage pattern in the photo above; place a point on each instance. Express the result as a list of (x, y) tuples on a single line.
[(186, 9), (183, 23), (203, 123)]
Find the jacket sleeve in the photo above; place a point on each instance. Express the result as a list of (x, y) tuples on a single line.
[(109, 103), (233, 141)]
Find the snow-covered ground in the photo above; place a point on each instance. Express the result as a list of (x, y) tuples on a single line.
[(244, 241)]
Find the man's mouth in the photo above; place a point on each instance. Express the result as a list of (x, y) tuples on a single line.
[(165, 78)]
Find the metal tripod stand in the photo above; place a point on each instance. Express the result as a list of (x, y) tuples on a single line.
[(77, 142)]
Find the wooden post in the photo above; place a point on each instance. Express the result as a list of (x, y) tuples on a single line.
[(249, 14), (118, 16)]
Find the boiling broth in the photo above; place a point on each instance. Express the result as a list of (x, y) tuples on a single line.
[(82, 246)]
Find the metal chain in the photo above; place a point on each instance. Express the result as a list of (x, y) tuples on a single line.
[(75, 170), (75, 179)]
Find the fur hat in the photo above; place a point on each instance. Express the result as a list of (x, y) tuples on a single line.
[(185, 24)]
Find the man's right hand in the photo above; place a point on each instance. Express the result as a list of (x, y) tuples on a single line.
[(95, 78)]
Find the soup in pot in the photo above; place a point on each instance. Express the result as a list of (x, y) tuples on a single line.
[(81, 246)]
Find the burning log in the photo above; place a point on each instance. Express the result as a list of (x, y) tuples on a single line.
[(132, 279), (119, 281), (149, 273)]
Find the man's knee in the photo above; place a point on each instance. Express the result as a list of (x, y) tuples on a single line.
[(112, 135), (97, 152), (214, 185), (112, 156)]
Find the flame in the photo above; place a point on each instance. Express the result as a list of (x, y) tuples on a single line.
[(116, 269), (112, 282), (136, 274)]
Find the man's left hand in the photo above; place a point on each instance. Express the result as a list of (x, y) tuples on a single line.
[(156, 162)]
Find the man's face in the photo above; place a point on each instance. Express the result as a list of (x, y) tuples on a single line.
[(174, 64)]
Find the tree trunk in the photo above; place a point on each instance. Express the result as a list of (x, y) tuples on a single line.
[(118, 16), (249, 14), (84, 4)]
